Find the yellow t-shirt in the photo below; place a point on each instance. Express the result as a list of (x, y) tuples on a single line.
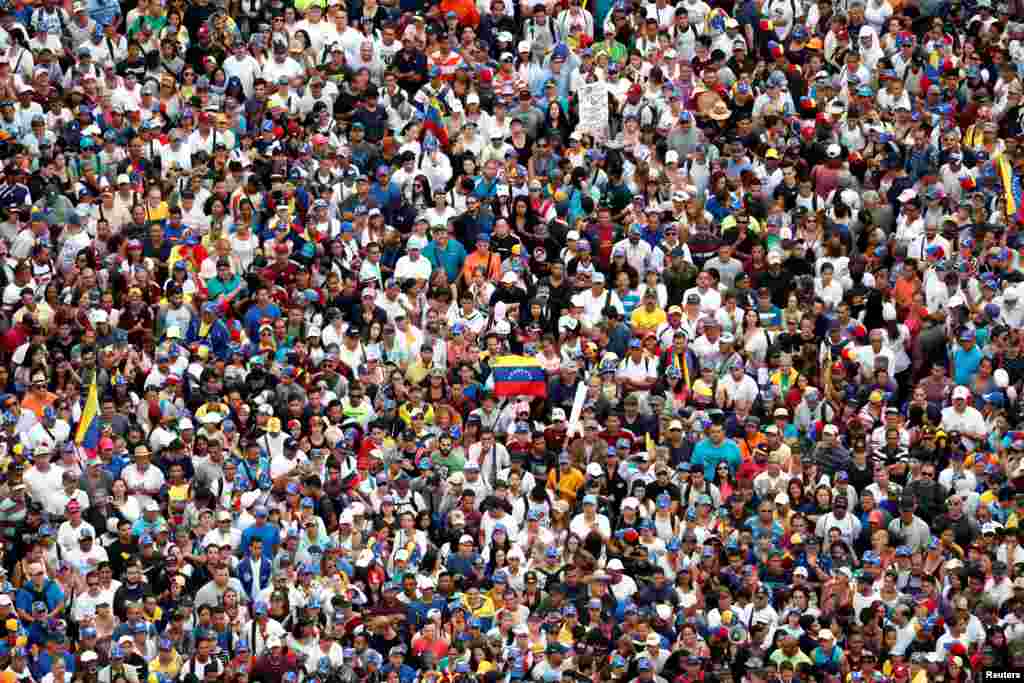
[(1013, 521), (170, 670), (644, 320), (405, 414), (178, 493), (159, 213), (566, 484), (417, 372)]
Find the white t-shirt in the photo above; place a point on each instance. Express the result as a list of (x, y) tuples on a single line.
[(710, 301), (582, 528), (150, 479), (593, 306), (969, 421), (745, 389), (42, 485), (419, 269), (68, 535), (644, 369), (84, 562)]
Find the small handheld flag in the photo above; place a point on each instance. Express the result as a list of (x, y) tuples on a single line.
[(88, 433)]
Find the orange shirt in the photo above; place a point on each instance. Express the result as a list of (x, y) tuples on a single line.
[(748, 446), (38, 403), (566, 484), (490, 262), (904, 291)]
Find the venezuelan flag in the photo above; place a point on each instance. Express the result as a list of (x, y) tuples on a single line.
[(88, 433), (519, 376), (1005, 170), (433, 120)]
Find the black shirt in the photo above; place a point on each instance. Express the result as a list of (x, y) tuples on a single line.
[(411, 66), (780, 284)]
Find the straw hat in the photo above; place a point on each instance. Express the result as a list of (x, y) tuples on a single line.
[(719, 112)]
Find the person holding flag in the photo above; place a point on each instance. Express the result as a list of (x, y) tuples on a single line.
[(87, 434)]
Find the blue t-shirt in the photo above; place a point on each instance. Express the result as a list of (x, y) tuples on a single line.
[(450, 258), (255, 314), (966, 364), (267, 533), (708, 455)]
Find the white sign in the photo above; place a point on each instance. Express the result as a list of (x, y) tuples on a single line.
[(577, 410), (594, 114)]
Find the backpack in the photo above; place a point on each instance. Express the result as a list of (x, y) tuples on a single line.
[(551, 28), (793, 8), (64, 32)]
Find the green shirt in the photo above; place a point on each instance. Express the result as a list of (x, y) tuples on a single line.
[(11, 515), (615, 50), (454, 461), (217, 287), (778, 657)]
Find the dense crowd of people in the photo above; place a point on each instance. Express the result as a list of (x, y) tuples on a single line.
[(385, 341)]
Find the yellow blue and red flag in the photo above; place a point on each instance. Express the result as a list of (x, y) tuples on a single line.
[(519, 376), (88, 433)]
